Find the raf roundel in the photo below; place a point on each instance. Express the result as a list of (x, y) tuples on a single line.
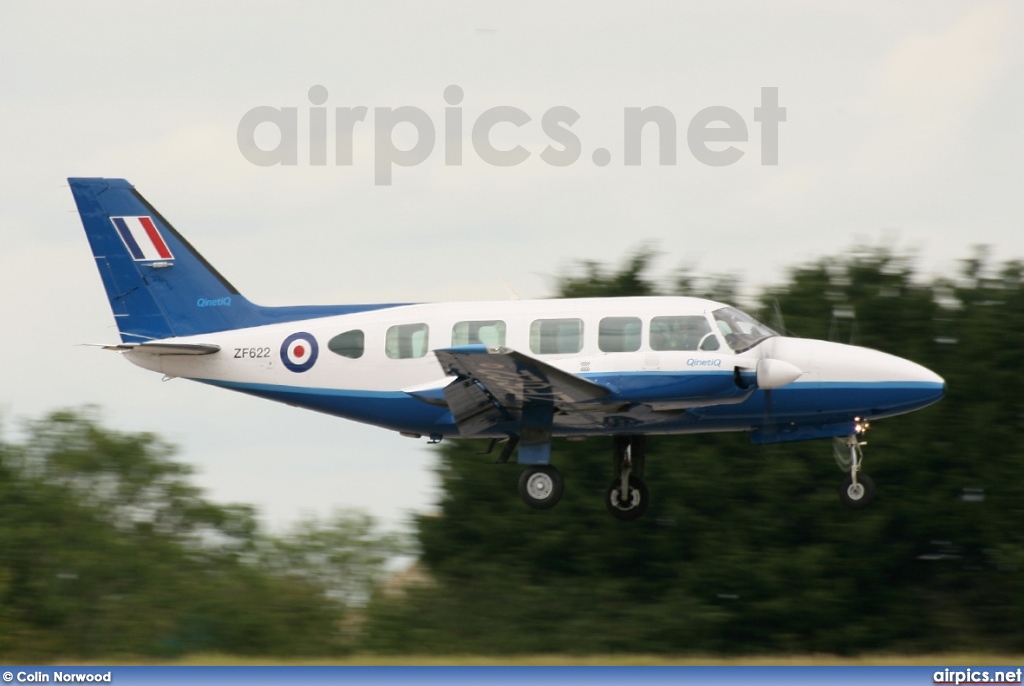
[(299, 351)]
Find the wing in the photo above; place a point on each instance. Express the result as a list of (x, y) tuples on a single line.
[(496, 384)]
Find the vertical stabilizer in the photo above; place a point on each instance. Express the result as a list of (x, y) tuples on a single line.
[(158, 285)]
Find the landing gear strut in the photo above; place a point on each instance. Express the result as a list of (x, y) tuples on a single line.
[(857, 490), (627, 497)]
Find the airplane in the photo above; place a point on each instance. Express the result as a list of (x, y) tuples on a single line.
[(521, 372)]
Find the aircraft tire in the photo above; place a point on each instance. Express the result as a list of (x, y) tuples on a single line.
[(541, 486), (634, 508), (857, 498)]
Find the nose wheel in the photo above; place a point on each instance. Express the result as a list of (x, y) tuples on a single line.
[(629, 502), (857, 494), (627, 497), (857, 490)]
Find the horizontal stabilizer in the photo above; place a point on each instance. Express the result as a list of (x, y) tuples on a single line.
[(165, 348)]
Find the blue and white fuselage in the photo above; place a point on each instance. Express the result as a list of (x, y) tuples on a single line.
[(525, 370), (656, 391)]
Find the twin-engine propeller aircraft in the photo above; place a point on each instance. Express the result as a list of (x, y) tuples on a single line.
[(521, 371)]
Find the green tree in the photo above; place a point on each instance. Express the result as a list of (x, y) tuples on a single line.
[(347, 555), (597, 282), (107, 548)]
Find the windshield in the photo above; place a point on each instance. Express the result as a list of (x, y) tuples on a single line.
[(741, 331)]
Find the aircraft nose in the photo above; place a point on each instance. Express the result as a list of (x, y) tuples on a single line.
[(932, 386), (921, 374), (864, 364), (884, 383)]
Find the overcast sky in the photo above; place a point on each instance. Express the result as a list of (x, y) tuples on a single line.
[(903, 126)]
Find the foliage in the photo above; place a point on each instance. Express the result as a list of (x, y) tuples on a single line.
[(106, 548), (345, 555), (746, 549), (597, 282)]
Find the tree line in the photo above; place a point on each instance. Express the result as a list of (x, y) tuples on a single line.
[(107, 549)]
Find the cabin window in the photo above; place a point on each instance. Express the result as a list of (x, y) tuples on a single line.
[(619, 334), (406, 341), (556, 336), (348, 344), (682, 333), (489, 333)]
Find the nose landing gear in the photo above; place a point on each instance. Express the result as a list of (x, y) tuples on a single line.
[(627, 497), (857, 490)]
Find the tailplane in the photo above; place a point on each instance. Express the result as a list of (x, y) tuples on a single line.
[(158, 285)]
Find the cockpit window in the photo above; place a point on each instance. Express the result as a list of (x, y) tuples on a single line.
[(741, 331)]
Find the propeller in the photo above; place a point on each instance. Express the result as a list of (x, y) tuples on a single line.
[(772, 374), (842, 313), (769, 373), (778, 322)]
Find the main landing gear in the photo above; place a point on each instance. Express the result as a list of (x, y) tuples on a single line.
[(541, 486), (857, 490), (627, 498)]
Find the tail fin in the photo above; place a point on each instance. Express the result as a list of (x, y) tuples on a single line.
[(158, 285)]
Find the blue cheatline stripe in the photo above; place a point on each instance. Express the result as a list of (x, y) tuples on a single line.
[(599, 377), (818, 385), (395, 410), (128, 238), (334, 392), (341, 392)]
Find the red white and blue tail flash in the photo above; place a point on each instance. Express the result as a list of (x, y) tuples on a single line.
[(142, 238)]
